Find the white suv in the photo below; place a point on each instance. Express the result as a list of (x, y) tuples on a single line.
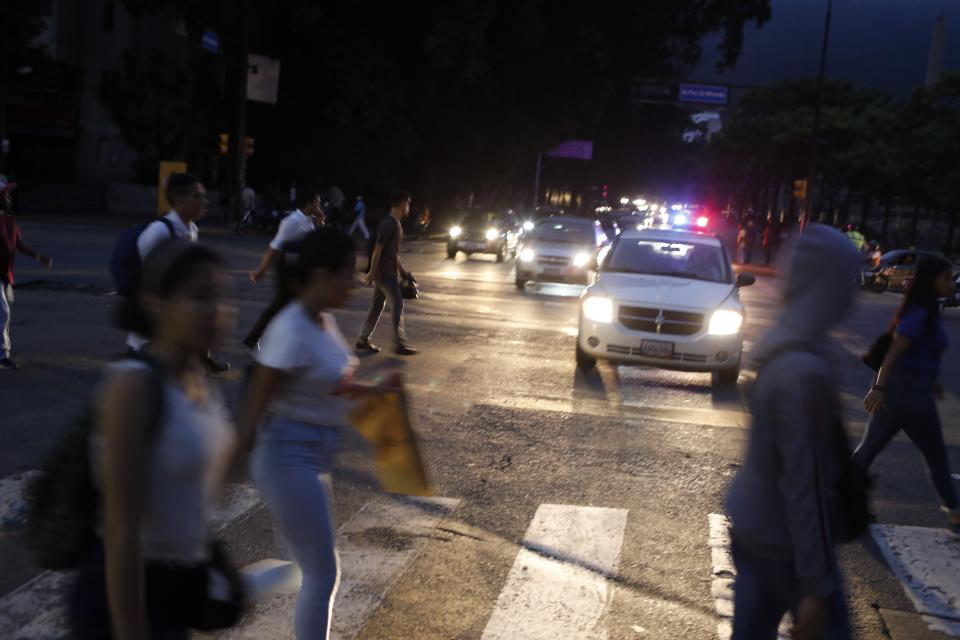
[(666, 298)]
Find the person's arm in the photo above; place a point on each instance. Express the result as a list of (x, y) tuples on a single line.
[(875, 397), (374, 263), (265, 383), (124, 415), (30, 252), (269, 257)]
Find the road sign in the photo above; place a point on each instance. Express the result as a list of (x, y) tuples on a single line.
[(210, 41), (263, 79), (703, 93), (800, 189)]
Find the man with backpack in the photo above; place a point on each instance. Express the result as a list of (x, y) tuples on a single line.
[(797, 492), (188, 200), (11, 243)]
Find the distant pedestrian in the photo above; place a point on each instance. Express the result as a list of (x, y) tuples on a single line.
[(908, 385), (741, 243), (11, 243), (160, 453), (293, 194), (359, 219), (282, 252), (248, 197), (750, 238), (188, 200), (386, 272), (785, 518), (303, 383)]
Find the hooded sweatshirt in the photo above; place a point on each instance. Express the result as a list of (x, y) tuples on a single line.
[(780, 501)]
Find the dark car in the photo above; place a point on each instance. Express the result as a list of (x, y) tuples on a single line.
[(898, 267), (485, 232)]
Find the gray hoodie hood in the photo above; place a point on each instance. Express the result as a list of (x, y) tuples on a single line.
[(819, 276)]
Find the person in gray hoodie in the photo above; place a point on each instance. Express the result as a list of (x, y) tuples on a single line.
[(780, 502)]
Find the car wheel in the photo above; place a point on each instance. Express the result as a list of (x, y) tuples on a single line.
[(520, 282), (880, 283), (585, 362), (729, 375), (501, 254), (451, 252)]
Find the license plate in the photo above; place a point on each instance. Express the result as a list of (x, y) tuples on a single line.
[(551, 271), (656, 349), (473, 245)]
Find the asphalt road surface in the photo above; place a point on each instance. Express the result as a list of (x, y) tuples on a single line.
[(569, 505)]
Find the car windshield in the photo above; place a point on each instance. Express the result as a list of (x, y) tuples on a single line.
[(475, 219), (565, 232), (676, 259)]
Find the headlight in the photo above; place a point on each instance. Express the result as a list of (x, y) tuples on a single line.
[(455, 232), (598, 309), (492, 234), (527, 255), (581, 260), (528, 226), (724, 322)]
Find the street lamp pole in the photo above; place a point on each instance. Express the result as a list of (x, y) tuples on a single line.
[(812, 169)]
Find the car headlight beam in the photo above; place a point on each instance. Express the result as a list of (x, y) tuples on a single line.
[(598, 309), (527, 255), (581, 260), (725, 322), (455, 232), (492, 234), (528, 226)]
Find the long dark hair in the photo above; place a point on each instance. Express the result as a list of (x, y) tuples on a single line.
[(922, 292)]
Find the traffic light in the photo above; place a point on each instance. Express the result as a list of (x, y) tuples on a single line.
[(800, 189), (248, 146), (224, 144)]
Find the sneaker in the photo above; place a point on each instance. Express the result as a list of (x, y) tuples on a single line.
[(404, 350), (364, 344), (212, 366), (7, 363)]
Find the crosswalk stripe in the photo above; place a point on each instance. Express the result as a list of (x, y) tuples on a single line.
[(927, 563), (724, 574), (558, 586), (375, 547), (37, 609)]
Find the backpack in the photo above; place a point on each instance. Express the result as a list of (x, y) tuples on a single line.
[(851, 497), (63, 502), (125, 260)]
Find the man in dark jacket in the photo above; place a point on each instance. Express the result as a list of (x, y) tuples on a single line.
[(780, 502)]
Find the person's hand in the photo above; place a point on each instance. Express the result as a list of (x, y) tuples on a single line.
[(811, 618), (45, 261), (255, 276), (874, 401), (938, 390), (367, 279)]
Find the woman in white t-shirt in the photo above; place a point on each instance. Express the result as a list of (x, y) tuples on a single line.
[(304, 382)]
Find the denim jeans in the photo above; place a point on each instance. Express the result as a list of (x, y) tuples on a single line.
[(911, 406), (6, 301), (385, 288), (765, 589), (288, 466)]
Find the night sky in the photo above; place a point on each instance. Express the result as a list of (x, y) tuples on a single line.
[(879, 43)]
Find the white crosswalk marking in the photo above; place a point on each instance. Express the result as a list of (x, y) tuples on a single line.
[(723, 577), (927, 563), (558, 586), (375, 547), (37, 609)]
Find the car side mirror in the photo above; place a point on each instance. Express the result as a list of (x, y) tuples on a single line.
[(745, 280)]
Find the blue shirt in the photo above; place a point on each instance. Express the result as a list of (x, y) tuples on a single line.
[(926, 347)]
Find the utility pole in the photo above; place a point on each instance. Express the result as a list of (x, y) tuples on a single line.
[(241, 133), (812, 170), (536, 181)]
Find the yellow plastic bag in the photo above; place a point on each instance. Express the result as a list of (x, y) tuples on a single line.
[(385, 423)]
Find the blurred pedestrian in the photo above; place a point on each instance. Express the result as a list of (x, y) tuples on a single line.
[(359, 219), (282, 252), (781, 506), (749, 239), (908, 385), (741, 243), (769, 240), (11, 243), (248, 198), (386, 272), (303, 381), (158, 472), (188, 201), (875, 255)]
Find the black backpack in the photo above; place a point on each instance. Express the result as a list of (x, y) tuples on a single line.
[(63, 501), (851, 497), (125, 260)]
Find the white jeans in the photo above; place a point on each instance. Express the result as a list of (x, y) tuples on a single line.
[(359, 223), (6, 300)]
